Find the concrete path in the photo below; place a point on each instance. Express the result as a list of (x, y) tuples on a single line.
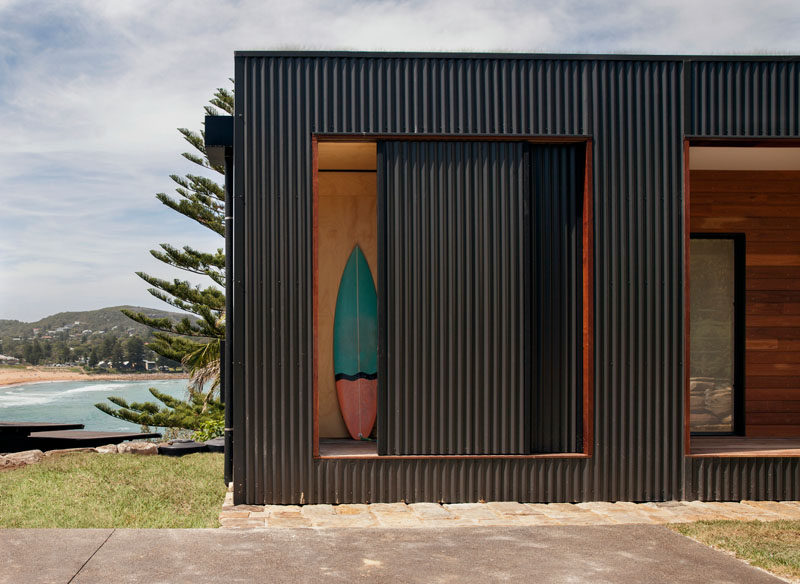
[(596, 554), (498, 514)]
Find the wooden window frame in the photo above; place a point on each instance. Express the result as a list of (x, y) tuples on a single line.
[(588, 325)]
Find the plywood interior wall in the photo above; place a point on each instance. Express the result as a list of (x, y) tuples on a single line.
[(348, 155), (765, 207), (347, 214)]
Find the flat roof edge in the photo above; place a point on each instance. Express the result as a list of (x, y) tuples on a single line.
[(520, 56)]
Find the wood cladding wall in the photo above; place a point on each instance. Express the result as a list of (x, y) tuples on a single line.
[(765, 207)]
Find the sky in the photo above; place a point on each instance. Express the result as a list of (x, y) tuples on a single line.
[(91, 94)]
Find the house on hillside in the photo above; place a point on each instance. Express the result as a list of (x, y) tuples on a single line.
[(464, 277)]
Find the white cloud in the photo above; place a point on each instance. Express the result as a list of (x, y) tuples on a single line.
[(91, 93)]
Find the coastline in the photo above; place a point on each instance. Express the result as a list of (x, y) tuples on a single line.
[(17, 376)]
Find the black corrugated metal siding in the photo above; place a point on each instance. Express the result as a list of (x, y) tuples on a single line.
[(555, 300), (637, 121), (637, 171), (634, 111), (735, 479), (746, 99), (452, 306)]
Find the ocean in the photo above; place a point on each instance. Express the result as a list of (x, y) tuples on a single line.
[(73, 401)]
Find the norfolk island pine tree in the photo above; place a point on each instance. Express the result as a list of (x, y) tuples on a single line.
[(193, 342)]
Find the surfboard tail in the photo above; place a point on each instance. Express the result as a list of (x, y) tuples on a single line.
[(358, 400)]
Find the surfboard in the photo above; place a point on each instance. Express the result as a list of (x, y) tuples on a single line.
[(355, 346)]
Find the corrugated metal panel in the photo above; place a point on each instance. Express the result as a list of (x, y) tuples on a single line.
[(272, 263), (557, 174), (451, 296), (735, 479), (638, 166), (631, 108), (745, 99), (441, 96), (456, 480)]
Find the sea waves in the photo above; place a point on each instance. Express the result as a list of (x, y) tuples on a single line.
[(73, 401)]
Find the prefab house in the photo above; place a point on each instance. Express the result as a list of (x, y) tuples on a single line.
[(466, 277)]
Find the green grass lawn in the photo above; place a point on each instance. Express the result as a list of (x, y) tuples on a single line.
[(771, 545), (114, 490)]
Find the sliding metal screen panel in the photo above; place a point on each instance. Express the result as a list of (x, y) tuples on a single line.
[(556, 341), (451, 365)]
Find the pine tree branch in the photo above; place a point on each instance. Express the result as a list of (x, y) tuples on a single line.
[(183, 295), (197, 140), (194, 209), (223, 99), (175, 413), (194, 261)]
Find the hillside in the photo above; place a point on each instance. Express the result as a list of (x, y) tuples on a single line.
[(105, 319)]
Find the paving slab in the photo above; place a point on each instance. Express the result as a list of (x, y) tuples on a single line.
[(280, 510), (661, 514), (247, 522), (712, 510), (396, 519), (313, 512), (345, 520), (510, 508), (620, 512), (535, 519), (783, 510), (571, 514), (288, 521), (46, 555), (395, 507), (504, 513), (473, 511), (597, 554), (738, 511), (161, 556), (431, 511)]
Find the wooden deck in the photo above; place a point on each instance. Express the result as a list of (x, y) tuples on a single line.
[(28, 427), (18, 436), (738, 446), (341, 447), (347, 448), (82, 438)]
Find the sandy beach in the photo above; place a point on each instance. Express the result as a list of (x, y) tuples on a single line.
[(15, 375)]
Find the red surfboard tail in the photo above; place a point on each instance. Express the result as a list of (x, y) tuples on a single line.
[(358, 400)]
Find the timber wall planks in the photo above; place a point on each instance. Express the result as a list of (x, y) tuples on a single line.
[(765, 206)]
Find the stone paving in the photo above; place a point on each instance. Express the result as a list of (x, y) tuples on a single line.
[(501, 513)]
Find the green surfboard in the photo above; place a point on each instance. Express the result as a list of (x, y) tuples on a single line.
[(355, 346), (355, 328)]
